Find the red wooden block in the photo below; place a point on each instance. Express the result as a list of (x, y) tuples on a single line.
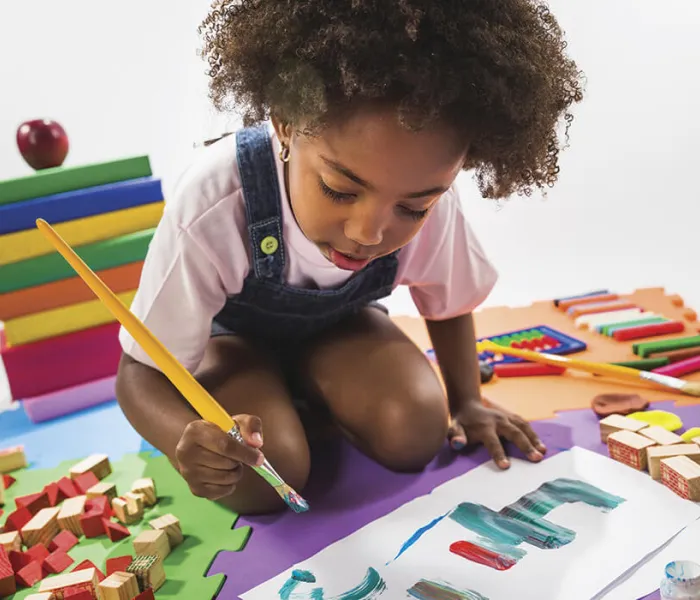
[(37, 552), (85, 481), (19, 560), (8, 586), (1, 513), (33, 502), (57, 562), (63, 541), (118, 563), (67, 487), (8, 480), (91, 524), (88, 564), (17, 519), (74, 593), (29, 575), (147, 594), (115, 531), (98, 505), (54, 493)]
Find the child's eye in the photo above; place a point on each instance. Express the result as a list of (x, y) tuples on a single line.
[(334, 195), (417, 215)]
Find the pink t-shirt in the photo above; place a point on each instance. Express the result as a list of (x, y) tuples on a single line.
[(200, 254)]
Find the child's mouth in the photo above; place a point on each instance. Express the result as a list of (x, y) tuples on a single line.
[(348, 263)]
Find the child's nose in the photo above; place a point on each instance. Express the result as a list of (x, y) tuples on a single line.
[(365, 228)]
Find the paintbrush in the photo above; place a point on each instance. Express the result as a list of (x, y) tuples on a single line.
[(615, 371), (207, 407)]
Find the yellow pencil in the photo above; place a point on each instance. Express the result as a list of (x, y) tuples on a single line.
[(616, 371), (207, 407)]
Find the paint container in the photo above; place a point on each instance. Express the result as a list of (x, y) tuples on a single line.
[(682, 581)]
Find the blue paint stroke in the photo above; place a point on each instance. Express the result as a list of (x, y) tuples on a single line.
[(434, 590), (417, 535), (370, 588)]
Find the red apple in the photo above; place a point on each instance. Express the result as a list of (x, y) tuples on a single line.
[(42, 143)]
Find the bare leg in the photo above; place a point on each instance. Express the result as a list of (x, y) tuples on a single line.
[(245, 381), (380, 389)]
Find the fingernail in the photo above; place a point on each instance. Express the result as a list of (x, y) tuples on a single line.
[(504, 464), (541, 447), (535, 455), (257, 438), (261, 459), (457, 444)]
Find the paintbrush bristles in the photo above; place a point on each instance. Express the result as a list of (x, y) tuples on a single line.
[(292, 499), (692, 389)]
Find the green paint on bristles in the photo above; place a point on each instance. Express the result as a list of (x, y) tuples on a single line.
[(645, 364), (644, 349), (611, 328)]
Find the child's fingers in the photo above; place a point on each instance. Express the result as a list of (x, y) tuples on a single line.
[(456, 435), (251, 429), (530, 433), (210, 491), (208, 476), (495, 448), (521, 440), (209, 437)]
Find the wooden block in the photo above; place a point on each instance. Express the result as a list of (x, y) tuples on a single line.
[(8, 584), (656, 453), (171, 525), (104, 488), (152, 542), (681, 475), (98, 464), (149, 572), (696, 441), (615, 423), (42, 528), (85, 579), (118, 563), (118, 586), (11, 540), (41, 596), (2, 491), (122, 512), (661, 436), (629, 448), (69, 514), (12, 459), (147, 488)]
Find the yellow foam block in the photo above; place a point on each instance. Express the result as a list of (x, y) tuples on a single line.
[(30, 243), (59, 321)]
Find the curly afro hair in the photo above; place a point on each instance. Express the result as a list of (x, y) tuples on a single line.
[(494, 70)]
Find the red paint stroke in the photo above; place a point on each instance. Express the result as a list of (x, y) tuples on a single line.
[(482, 556)]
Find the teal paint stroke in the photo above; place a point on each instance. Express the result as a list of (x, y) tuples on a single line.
[(370, 588), (434, 590)]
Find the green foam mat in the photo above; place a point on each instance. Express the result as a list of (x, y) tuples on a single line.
[(207, 526), (104, 254), (56, 180)]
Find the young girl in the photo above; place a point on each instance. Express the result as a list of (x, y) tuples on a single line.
[(263, 275)]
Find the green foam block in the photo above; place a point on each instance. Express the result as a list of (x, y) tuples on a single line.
[(644, 349), (53, 267), (47, 182)]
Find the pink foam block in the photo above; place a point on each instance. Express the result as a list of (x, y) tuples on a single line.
[(63, 361), (70, 400), (682, 367)]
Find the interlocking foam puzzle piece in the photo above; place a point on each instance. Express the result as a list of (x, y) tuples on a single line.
[(207, 526)]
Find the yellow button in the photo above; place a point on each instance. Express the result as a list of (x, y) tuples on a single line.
[(269, 245)]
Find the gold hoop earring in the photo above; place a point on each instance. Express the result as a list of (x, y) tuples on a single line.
[(284, 154)]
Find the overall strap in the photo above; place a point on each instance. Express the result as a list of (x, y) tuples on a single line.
[(258, 171)]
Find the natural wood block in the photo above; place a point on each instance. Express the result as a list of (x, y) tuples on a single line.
[(681, 475), (656, 453), (614, 423), (171, 525), (104, 488), (98, 464), (11, 540), (121, 511), (12, 459), (135, 502), (41, 596), (661, 436), (147, 488), (696, 441), (629, 448), (149, 571), (85, 579), (42, 528), (69, 514), (118, 586), (152, 542)]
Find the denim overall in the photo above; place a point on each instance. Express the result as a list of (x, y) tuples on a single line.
[(267, 309)]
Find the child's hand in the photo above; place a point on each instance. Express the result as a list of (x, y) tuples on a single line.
[(477, 423), (211, 461)]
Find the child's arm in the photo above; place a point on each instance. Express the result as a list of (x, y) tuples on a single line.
[(454, 343)]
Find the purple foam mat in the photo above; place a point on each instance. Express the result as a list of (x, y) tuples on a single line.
[(347, 491)]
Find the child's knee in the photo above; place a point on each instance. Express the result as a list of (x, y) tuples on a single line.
[(409, 431)]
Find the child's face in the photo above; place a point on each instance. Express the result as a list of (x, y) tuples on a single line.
[(364, 187)]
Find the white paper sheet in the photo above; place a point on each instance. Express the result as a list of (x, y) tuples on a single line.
[(606, 544)]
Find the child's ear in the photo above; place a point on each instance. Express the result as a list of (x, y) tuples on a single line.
[(282, 129)]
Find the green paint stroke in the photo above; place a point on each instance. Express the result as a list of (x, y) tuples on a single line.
[(371, 587), (433, 590)]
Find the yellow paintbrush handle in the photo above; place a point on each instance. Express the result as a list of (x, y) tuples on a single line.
[(208, 408), (562, 361)]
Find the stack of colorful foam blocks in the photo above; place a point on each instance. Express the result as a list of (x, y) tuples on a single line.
[(60, 345)]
